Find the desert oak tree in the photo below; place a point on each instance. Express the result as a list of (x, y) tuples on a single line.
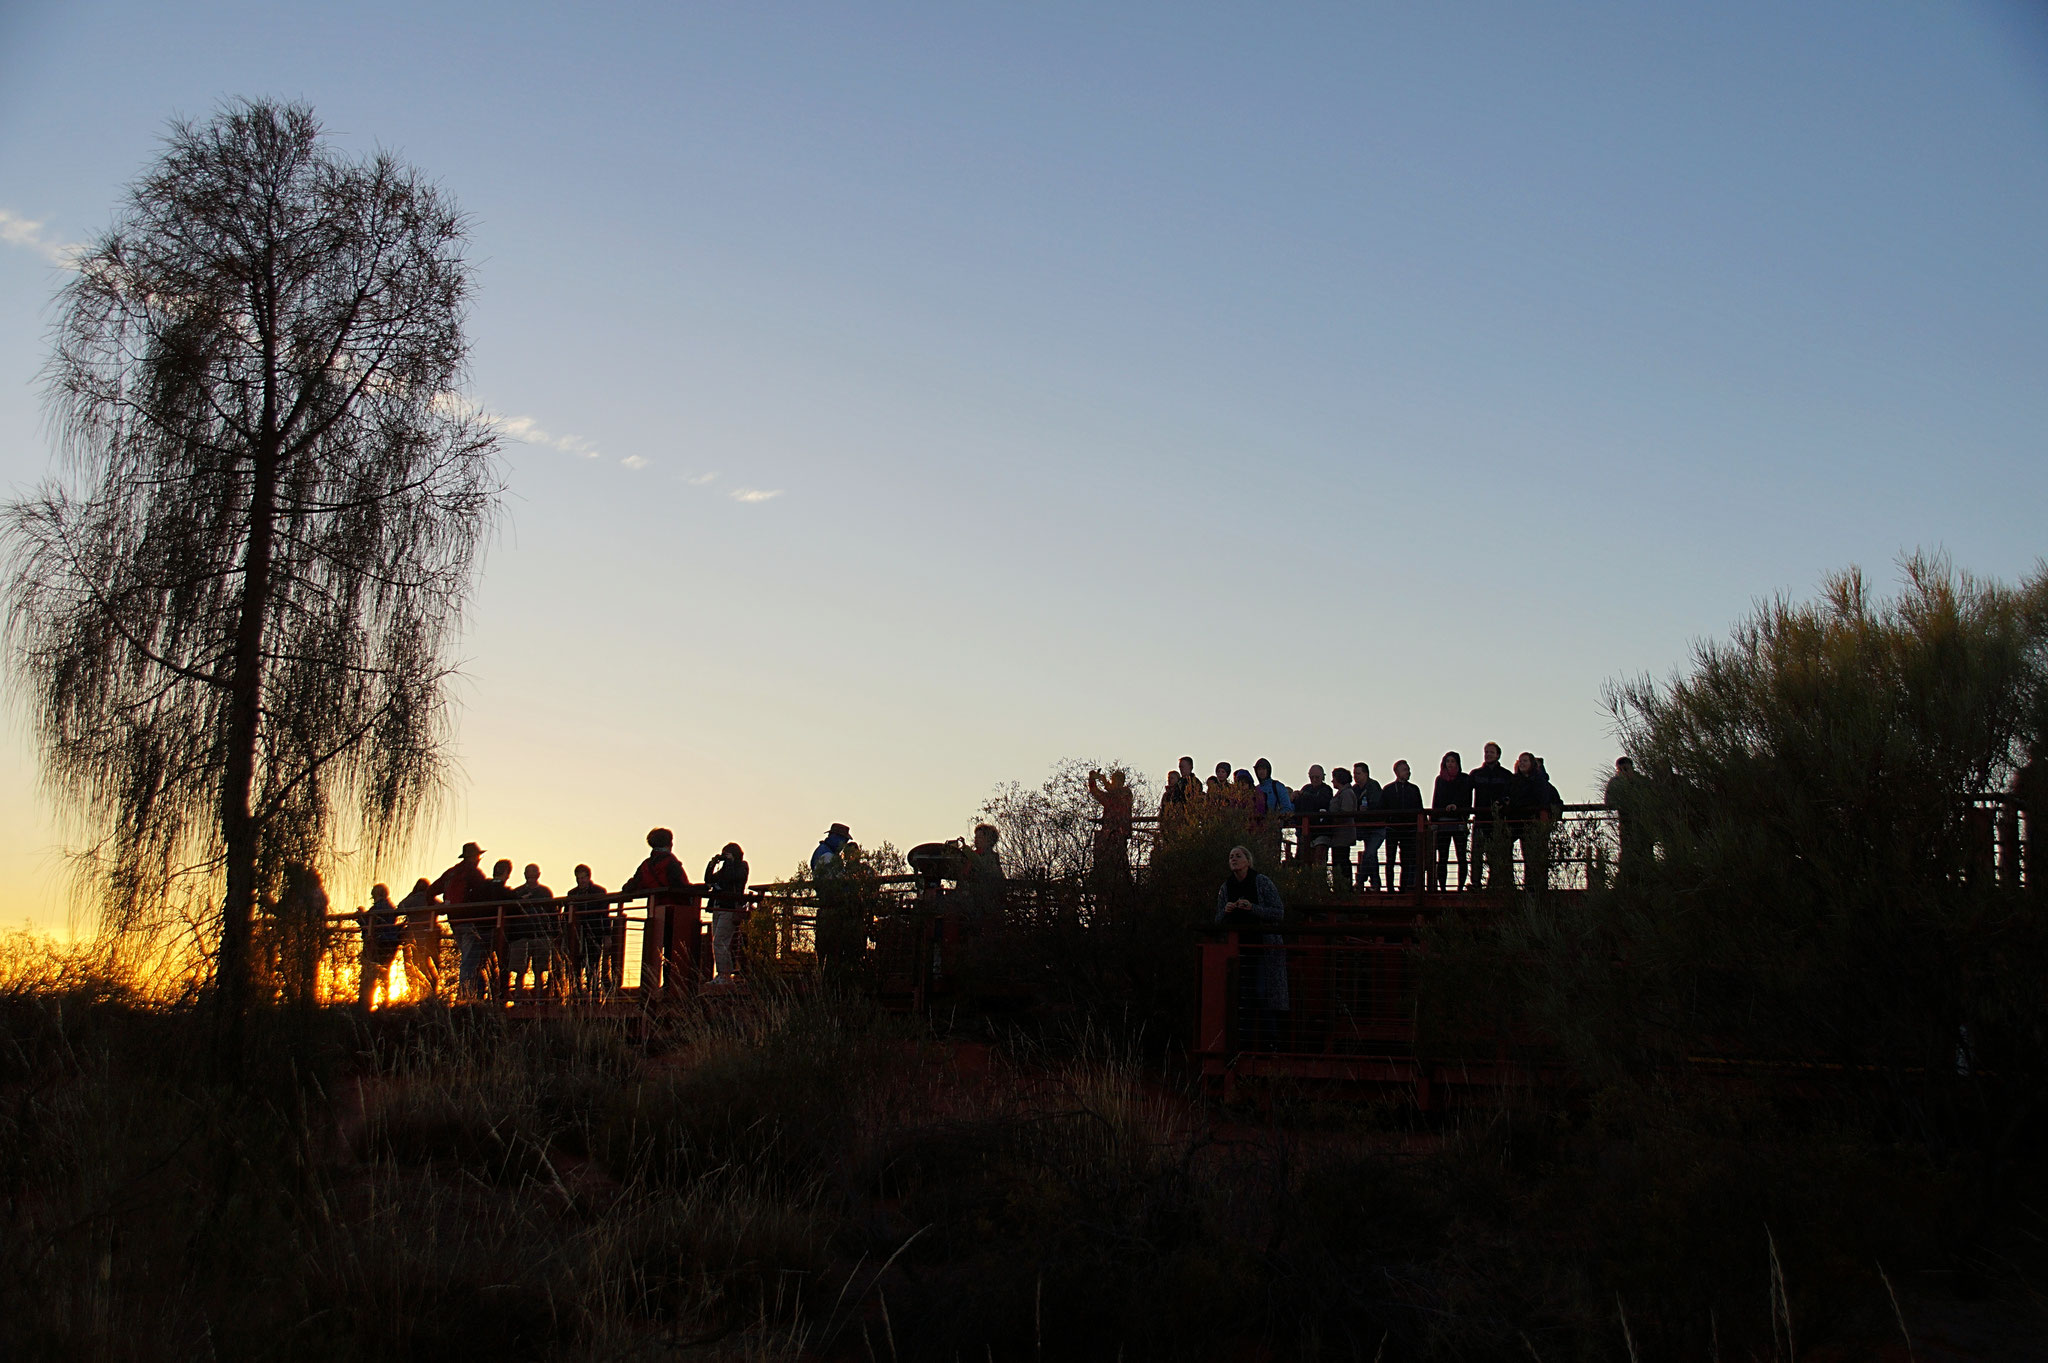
[(230, 619)]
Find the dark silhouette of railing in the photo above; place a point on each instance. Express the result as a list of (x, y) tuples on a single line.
[(912, 930)]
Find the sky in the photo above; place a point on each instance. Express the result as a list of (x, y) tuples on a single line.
[(902, 398)]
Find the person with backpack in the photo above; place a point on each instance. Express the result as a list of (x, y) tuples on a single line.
[(1274, 796)]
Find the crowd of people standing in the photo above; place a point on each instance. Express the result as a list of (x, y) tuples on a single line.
[(511, 937), (1359, 828)]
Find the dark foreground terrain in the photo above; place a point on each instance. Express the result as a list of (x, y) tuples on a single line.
[(806, 1178)]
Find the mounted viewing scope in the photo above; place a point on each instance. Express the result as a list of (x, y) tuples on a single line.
[(933, 862)]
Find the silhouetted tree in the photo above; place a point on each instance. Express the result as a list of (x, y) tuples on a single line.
[(1819, 889), (231, 622)]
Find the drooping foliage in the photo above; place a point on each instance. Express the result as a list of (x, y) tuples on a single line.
[(231, 618)]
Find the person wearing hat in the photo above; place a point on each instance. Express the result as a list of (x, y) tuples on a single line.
[(840, 935), (668, 950), (825, 860), (462, 888)]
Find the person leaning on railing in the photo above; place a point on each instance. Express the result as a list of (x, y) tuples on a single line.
[(420, 938)]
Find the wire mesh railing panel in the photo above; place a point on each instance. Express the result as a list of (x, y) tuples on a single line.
[(1321, 997)]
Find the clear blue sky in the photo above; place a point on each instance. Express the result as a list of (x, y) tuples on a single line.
[(1319, 382)]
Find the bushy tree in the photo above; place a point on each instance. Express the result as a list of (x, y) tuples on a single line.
[(1820, 891), (231, 622), (1048, 833)]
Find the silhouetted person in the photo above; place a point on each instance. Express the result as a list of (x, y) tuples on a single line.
[(466, 893), (1490, 782), (1372, 829), (1274, 796), (1402, 801), (498, 928), (383, 937), (1247, 899), (671, 915), (987, 887), (1343, 826), (1312, 802), (725, 877), (530, 931), (1623, 796), (1450, 808), (1112, 871), (595, 927), (1243, 792), (1221, 781), (1190, 783), (1173, 804), (302, 933), (420, 939), (1533, 806), (841, 934)]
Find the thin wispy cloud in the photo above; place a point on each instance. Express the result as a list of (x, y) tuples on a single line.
[(700, 479), (28, 234), (753, 494), (528, 431), (634, 461)]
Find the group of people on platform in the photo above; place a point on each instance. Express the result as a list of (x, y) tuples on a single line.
[(1491, 809), (575, 940)]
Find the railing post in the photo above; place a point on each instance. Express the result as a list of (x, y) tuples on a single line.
[(366, 971), (651, 948), (1212, 1029), (501, 979)]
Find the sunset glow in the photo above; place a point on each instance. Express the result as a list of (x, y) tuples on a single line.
[(896, 406)]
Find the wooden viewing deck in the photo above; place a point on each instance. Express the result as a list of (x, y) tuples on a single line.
[(1351, 962)]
